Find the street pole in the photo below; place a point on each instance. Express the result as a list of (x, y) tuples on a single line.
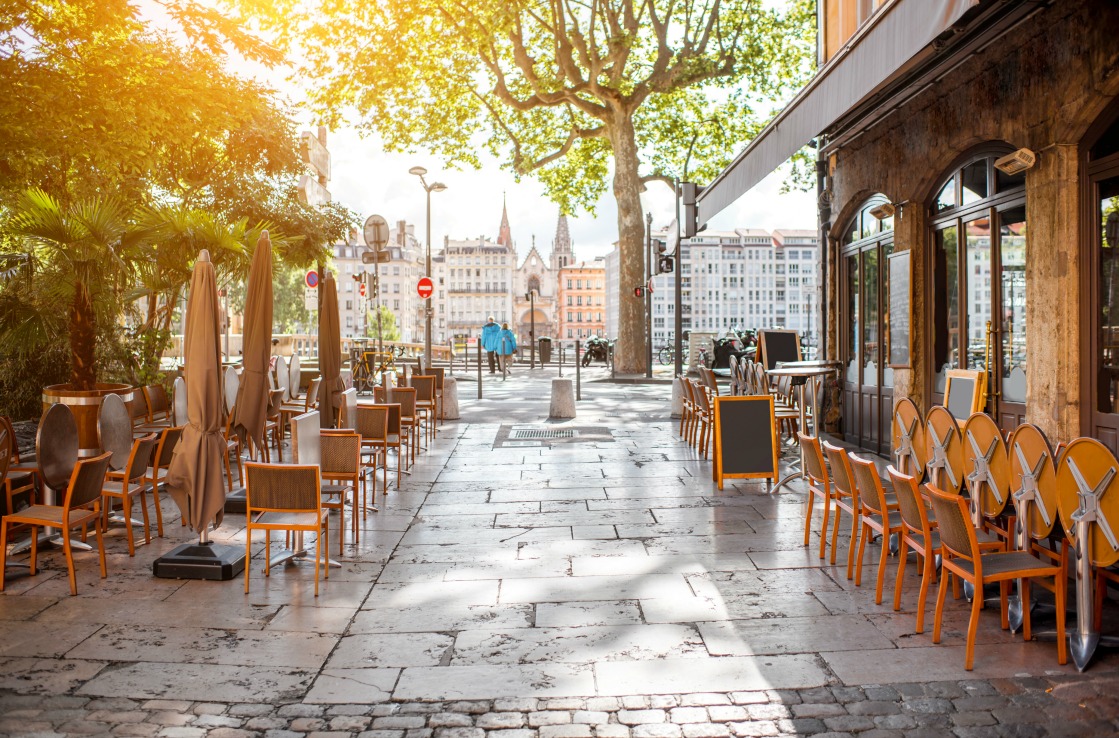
[(648, 296), (380, 333), (429, 311), (678, 289), (532, 327)]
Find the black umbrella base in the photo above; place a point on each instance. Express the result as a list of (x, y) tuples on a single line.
[(200, 561), (235, 502)]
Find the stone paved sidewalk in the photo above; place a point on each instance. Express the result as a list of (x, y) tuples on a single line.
[(595, 584)]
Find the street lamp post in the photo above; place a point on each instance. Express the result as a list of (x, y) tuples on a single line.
[(532, 326), (428, 188)]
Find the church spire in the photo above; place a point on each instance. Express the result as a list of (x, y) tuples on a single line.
[(505, 234), (562, 253)]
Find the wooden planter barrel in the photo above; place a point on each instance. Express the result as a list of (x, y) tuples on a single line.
[(85, 404)]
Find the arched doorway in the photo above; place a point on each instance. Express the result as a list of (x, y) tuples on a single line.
[(1100, 159), (977, 282), (868, 240)]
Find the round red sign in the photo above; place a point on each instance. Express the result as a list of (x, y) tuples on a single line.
[(425, 287)]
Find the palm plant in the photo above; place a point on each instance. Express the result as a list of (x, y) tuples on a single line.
[(80, 258)]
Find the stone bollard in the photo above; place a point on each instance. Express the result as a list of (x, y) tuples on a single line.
[(677, 400), (563, 399), (450, 399)]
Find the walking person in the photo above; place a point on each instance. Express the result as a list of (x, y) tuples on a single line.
[(491, 340), (507, 344)]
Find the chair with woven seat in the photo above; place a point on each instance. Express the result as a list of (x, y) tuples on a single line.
[(19, 483), (703, 417), (818, 486), (373, 428), (285, 497), (81, 508), (306, 404), (685, 405), (846, 497), (965, 557), (425, 402), (440, 374), (405, 397), (341, 471), (919, 535), (877, 515), (131, 481)]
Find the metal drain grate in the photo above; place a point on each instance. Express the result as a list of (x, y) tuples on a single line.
[(539, 433)]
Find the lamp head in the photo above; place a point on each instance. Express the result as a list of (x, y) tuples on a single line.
[(438, 187), (418, 171)]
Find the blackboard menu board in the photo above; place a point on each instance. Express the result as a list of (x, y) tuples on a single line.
[(778, 346), (900, 277), (745, 438)]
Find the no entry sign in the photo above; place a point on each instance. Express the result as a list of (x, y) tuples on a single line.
[(425, 287)]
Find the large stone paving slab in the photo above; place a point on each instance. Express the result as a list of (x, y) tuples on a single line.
[(203, 682), (492, 682), (578, 645)]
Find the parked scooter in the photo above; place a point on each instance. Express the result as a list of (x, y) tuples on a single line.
[(596, 349)]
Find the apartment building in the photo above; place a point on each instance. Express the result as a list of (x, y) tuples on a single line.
[(582, 299), (398, 278)]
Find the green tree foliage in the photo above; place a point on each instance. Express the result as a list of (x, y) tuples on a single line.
[(586, 95), (388, 330)]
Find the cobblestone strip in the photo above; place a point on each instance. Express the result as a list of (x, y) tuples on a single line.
[(1074, 706)]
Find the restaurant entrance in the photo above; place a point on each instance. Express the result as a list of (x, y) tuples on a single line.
[(1103, 285), (867, 379), (977, 294)]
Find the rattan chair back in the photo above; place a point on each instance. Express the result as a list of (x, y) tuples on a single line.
[(841, 478), (405, 397), (957, 534), (281, 487), (425, 387), (373, 422), (871, 495), (813, 459), (913, 513), (341, 453)]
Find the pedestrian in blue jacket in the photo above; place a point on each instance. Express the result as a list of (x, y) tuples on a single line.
[(491, 340), (507, 344)]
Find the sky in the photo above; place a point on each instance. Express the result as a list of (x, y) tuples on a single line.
[(371, 181)]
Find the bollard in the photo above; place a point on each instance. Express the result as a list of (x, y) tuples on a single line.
[(504, 362), (578, 385), (479, 370), (560, 360)]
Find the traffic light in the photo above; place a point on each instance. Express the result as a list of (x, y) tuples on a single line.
[(374, 281), (666, 265), (689, 224), (638, 291)]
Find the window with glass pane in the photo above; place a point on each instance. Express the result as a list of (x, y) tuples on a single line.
[(946, 200), (1012, 330), (887, 372), (973, 182), (853, 318), (946, 306), (870, 316), (978, 284), (1107, 372)]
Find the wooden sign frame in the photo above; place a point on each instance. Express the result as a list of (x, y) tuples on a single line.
[(762, 346), (718, 471), (978, 390)]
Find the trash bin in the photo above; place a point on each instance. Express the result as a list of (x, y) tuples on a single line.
[(545, 350)]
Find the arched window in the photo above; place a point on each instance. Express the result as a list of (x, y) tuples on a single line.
[(977, 289), (868, 241), (534, 284)]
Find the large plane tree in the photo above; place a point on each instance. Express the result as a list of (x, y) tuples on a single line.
[(582, 94)]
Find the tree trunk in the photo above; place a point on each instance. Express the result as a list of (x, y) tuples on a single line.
[(83, 340), (629, 351)]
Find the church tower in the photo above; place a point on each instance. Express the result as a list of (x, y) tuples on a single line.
[(505, 234), (562, 252)]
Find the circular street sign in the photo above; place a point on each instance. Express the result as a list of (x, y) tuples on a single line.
[(376, 232), (312, 279), (425, 287), (650, 286)]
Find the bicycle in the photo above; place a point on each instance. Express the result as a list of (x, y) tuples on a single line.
[(667, 355), (367, 366)]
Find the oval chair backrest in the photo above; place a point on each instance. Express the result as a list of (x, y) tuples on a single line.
[(231, 384), (179, 403), (294, 374), (56, 446), (114, 430), (168, 440), (6, 424), (373, 422), (956, 532), (871, 495), (282, 487), (910, 506), (341, 452), (282, 378), (813, 459), (312, 399), (140, 458), (840, 470), (87, 481)]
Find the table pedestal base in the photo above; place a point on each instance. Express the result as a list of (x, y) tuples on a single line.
[(200, 561)]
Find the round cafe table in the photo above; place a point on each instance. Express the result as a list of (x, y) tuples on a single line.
[(803, 371)]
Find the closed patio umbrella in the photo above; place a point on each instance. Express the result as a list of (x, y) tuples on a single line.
[(194, 478), (250, 412), (330, 354)]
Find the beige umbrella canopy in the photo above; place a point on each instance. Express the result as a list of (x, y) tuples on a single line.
[(195, 475), (330, 354), (250, 414)]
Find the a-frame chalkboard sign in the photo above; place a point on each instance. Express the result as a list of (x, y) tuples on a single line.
[(745, 438)]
